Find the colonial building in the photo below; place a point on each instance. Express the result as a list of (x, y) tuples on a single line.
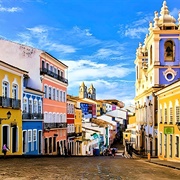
[(54, 85), (157, 64), (169, 122), (32, 120), (11, 79)]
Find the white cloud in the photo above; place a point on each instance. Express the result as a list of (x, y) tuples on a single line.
[(11, 10), (40, 36), (86, 69), (135, 32)]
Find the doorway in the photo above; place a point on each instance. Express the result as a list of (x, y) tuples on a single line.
[(24, 141), (39, 142), (14, 139)]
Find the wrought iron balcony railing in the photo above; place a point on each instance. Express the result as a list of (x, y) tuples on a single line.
[(54, 75), (10, 102), (55, 125), (32, 116)]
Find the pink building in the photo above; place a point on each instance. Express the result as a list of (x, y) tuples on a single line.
[(54, 104)]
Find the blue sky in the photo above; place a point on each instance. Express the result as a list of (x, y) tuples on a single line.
[(97, 39)]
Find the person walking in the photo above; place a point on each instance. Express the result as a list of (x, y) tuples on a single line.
[(5, 149)]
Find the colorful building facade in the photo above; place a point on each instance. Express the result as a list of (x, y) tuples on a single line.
[(32, 121), (169, 122), (54, 84), (11, 90)]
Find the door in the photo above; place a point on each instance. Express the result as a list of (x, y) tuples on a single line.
[(156, 147), (14, 139), (39, 142), (5, 135), (58, 148), (24, 141), (151, 148), (45, 145)]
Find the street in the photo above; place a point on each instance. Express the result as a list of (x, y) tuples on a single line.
[(83, 168)]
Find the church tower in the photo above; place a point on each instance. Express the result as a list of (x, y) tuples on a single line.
[(92, 92), (82, 91), (157, 65)]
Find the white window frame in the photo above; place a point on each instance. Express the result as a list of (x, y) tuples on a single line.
[(34, 135), (29, 137)]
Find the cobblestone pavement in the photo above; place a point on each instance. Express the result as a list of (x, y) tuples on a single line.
[(83, 168)]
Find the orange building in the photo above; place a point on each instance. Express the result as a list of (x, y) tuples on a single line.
[(54, 104)]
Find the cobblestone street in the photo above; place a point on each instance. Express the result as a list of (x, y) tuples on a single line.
[(83, 168)]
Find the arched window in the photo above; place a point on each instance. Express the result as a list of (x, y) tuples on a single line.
[(169, 51), (5, 92)]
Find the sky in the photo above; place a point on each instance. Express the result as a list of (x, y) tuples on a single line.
[(96, 39)]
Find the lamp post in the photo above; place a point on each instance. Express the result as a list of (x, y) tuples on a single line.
[(8, 116)]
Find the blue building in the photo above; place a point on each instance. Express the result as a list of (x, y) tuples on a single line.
[(32, 122)]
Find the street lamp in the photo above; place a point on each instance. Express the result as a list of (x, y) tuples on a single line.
[(8, 116)]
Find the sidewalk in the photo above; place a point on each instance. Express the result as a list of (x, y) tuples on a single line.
[(170, 164)]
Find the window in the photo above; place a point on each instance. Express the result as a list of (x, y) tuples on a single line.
[(170, 115), (161, 116), (165, 145), (35, 106), (30, 106), (177, 113), (34, 135), (151, 55), (54, 96), (61, 96), (62, 74), (39, 106), (25, 105), (165, 115), (170, 146), (49, 92), (57, 95), (5, 89), (64, 96), (15, 91), (177, 146), (45, 91), (29, 135)]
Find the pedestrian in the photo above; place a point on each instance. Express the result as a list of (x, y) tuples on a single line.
[(5, 149), (113, 152)]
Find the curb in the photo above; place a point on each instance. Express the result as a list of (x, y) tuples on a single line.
[(166, 165)]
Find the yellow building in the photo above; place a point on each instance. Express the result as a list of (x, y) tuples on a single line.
[(169, 122), (77, 124), (78, 130), (10, 102)]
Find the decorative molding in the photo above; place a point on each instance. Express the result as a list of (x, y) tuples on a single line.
[(171, 72)]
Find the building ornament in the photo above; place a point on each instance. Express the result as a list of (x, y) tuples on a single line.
[(169, 74)]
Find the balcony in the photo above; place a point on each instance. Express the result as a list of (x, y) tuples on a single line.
[(10, 102), (32, 116), (52, 74), (55, 125)]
